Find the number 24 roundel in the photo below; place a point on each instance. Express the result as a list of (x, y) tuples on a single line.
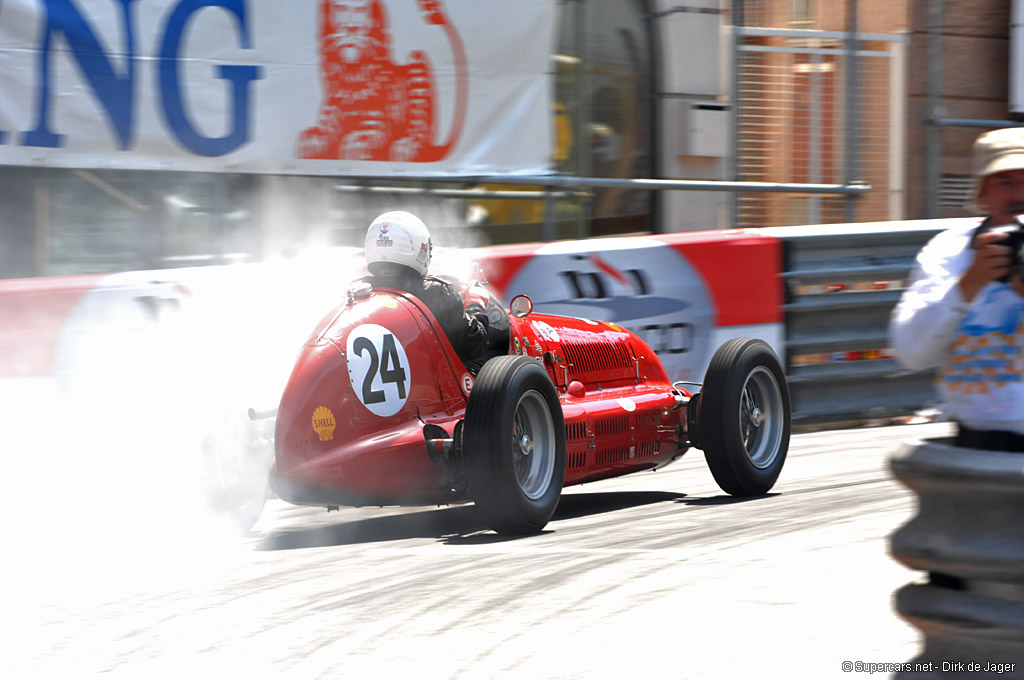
[(378, 369)]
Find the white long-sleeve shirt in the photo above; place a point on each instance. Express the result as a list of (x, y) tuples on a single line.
[(977, 346)]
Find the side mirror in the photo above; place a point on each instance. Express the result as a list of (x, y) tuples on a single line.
[(520, 306)]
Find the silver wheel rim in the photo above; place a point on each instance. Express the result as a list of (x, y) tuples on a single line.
[(533, 445), (761, 417)]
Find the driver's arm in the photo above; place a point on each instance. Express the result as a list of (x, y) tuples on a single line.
[(474, 299), (474, 312)]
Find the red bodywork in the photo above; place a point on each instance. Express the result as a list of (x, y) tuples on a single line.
[(621, 412)]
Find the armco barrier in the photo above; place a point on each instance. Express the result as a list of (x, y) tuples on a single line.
[(842, 282), (969, 535), (680, 292), (821, 296), (684, 294)]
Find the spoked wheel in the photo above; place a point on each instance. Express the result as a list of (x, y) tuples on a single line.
[(236, 459), (761, 409), (533, 445), (514, 443), (745, 417)]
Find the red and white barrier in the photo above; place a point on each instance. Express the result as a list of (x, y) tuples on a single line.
[(684, 294)]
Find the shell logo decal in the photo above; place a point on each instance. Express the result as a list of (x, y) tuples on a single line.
[(324, 423)]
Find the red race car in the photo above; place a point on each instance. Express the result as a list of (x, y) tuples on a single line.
[(379, 410)]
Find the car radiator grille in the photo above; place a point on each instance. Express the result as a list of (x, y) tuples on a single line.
[(599, 360), (622, 454)]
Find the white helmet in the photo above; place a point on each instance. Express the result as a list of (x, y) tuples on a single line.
[(400, 238)]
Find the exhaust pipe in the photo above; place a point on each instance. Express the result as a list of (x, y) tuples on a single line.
[(262, 415)]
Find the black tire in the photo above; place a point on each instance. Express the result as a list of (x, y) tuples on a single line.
[(744, 418), (514, 444)]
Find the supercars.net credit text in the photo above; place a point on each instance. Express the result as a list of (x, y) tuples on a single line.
[(928, 667)]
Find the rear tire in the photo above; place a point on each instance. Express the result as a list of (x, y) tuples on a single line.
[(237, 454), (514, 444), (745, 415)]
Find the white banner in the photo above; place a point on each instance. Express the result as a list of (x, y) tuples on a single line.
[(313, 87)]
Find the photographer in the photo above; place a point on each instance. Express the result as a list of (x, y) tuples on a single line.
[(964, 310)]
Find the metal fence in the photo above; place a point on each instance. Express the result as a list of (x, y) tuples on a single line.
[(819, 107), (841, 287)]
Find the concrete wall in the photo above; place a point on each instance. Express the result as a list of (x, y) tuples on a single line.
[(693, 108), (975, 46)]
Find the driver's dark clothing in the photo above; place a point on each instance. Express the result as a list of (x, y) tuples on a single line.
[(466, 327)]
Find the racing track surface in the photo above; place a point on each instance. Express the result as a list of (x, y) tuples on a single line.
[(657, 574)]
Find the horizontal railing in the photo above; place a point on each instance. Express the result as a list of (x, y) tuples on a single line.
[(842, 283)]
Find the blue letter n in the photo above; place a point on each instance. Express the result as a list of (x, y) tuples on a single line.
[(115, 92)]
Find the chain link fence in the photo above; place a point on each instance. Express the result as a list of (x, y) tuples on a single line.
[(797, 123)]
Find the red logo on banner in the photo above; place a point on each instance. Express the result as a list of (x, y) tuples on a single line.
[(375, 109)]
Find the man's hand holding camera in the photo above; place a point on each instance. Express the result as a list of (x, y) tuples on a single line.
[(994, 258), (998, 244)]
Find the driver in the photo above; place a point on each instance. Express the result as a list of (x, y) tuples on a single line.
[(398, 252)]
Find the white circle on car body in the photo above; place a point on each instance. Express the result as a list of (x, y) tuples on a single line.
[(467, 383), (378, 369), (627, 404), (546, 331)]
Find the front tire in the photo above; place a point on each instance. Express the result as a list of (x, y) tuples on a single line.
[(745, 416), (514, 443)]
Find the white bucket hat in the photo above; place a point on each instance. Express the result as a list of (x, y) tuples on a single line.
[(996, 151)]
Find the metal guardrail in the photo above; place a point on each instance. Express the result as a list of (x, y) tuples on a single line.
[(841, 287), (851, 189), (570, 186), (836, 318), (579, 183)]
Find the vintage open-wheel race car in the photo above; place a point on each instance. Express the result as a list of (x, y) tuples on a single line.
[(379, 410)]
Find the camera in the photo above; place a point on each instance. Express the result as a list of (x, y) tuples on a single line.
[(1015, 241)]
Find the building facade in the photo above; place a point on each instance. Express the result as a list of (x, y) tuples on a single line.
[(706, 90)]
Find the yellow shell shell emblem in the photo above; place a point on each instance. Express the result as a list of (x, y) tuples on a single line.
[(324, 423)]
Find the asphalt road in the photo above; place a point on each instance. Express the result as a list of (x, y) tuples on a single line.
[(657, 574)]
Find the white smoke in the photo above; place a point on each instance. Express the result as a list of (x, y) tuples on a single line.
[(143, 426), (301, 214)]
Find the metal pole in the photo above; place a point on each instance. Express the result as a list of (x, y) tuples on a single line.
[(575, 183), (584, 114), (737, 24), (454, 193), (977, 123), (548, 233), (220, 224), (933, 142), (816, 147), (1016, 106), (43, 225), (897, 209), (852, 122)]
